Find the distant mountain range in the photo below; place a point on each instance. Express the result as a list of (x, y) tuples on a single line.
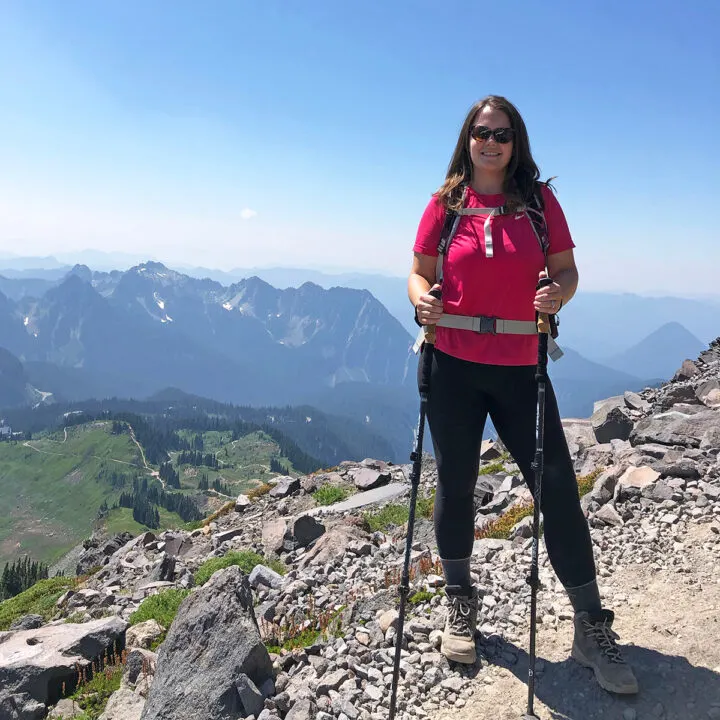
[(93, 334), (660, 353), (597, 325), (132, 333)]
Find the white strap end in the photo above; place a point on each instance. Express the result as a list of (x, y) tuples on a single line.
[(554, 350)]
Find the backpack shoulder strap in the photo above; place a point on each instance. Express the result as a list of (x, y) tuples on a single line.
[(536, 214), (450, 226)]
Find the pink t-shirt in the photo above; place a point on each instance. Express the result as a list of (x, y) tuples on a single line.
[(501, 286)]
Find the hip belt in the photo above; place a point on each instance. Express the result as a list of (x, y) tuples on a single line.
[(484, 324)]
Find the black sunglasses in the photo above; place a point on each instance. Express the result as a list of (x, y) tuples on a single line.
[(501, 135)]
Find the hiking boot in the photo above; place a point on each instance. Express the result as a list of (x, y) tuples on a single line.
[(458, 639), (594, 647)]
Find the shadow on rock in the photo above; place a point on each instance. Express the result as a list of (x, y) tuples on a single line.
[(671, 688)]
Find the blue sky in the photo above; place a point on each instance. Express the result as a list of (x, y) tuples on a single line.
[(308, 133)]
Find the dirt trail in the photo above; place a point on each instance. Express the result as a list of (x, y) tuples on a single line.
[(670, 628), (145, 465)]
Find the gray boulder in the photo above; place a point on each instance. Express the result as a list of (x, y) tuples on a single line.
[(124, 704), (601, 455), (366, 478), (302, 531), (285, 485), (38, 662), (682, 468), (615, 425), (490, 450), (658, 491), (635, 402), (302, 709), (687, 370), (66, 709), (634, 480), (675, 394), (213, 641), (164, 569), (486, 487), (273, 534), (261, 575), (604, 488), (608, 515), (28, 622), (579, 435), (332, 544), (708, 393), (712, 354), (20, 706), (242, 503), (675, 428), (710, 439), (143, 634), (98, 549)]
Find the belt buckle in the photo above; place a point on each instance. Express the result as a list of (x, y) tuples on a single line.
[(487, 324)]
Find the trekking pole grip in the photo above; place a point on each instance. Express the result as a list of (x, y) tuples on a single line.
[(430, 329), (543, 319)]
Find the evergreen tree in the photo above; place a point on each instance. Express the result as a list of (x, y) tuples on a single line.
[(21, 575)]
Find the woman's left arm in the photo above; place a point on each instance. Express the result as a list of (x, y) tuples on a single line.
[(563, 272), (560, 259)]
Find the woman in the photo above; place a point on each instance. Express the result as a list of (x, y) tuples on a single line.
[(491, 268)]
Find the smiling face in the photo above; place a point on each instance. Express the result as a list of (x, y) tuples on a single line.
[(490, 157)]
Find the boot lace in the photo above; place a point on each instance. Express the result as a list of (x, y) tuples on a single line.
[(460, 616), (605, 637)]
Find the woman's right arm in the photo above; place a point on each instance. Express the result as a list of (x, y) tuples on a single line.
[(422, 274), (428, 309)]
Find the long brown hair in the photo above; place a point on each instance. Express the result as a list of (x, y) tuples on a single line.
[(521, 174)]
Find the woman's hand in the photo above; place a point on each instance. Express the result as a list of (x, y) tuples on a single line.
[(548, 299), (429, 308)]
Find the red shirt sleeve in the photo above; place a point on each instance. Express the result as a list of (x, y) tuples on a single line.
[(430, 228), (558, 230)]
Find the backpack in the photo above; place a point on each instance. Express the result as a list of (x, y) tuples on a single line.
[(535, 213)]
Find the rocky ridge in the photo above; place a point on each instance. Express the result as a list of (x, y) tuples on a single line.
[(656, 457)]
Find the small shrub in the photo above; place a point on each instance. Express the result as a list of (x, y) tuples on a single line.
[(76, 617), (420, 596), (396, 514), (193, 525), (329, 494), (39, 599), (259, 491), (274, 563), (586, 482), (425, 505), (324, 623), (161, 607), (501, 528), (224, 510), (494, 467), (392, 514), (92, 696), (244, 559)]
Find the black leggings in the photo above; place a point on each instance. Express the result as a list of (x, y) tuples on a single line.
[(462, 393)]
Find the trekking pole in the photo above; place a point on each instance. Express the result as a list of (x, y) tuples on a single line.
[(416, 457), (544, 328)]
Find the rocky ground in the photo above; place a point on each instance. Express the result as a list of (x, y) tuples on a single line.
[(654, 512)]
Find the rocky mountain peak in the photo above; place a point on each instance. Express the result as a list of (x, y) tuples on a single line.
[(82, 271)]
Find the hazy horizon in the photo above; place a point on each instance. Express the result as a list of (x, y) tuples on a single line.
[(256, 135)]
